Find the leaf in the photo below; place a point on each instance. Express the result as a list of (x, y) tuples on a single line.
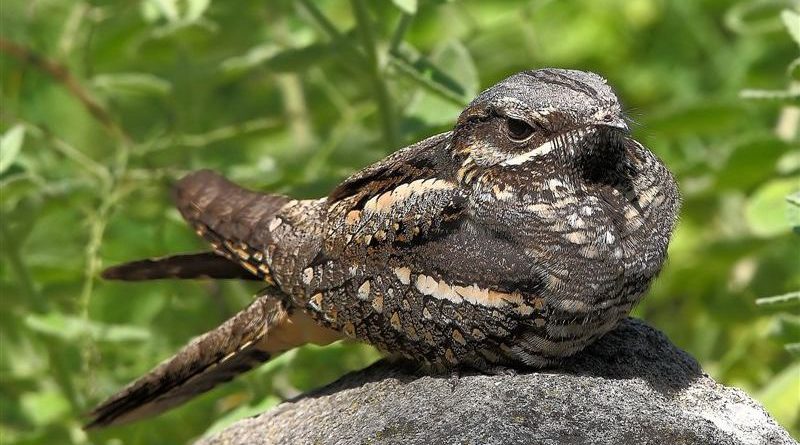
[(195, 9), (132, 84), (56, 325), (766, 211), (407, 6), (272, 58), (44, 407), (119, 333), (792, 21), (794, 199), (780, 395), (751, 163), (699, 118), (278, 363), (431, 78), (755, 17), (252, 58), (165, 8), (10, 146), (793, 70), (457, 64), (787, 327), (70, 328)]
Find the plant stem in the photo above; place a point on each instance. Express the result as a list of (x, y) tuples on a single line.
[(321, 20), (385, 109), (407, 69), (55, 353), (210, 137), (400, 32), (62, 75), (11, 250)]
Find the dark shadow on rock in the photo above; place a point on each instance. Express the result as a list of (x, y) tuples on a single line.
[(636, 350), (632, 350)]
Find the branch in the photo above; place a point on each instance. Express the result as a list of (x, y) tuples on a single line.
[(382, 96), (61, 74)]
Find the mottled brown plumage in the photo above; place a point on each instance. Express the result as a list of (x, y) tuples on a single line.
[(516, 239)]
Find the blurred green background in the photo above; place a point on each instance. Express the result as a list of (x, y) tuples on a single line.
[(105, 103)]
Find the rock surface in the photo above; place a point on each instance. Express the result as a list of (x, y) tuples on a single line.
[(631, 387)]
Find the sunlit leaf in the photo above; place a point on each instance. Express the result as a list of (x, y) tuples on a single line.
[(780, 395), (10, 146), (755, 17), (792, 21), (456, 62), (167, 9), (44, 407), (767, 210), (253, 57), (195, 9), (271, 57), (794, 199), (132, 83), (71, 328), (407, 6)]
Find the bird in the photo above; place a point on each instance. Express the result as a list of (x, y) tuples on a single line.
[(515, 240)]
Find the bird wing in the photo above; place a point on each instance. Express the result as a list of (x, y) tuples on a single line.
[(404, 265), (407, 196)]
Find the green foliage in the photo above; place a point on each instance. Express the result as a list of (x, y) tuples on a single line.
[(104, 104)]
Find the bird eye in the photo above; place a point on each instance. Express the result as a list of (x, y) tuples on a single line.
[(518, 130)]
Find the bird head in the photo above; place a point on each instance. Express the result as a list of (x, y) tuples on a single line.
[(544, 120)]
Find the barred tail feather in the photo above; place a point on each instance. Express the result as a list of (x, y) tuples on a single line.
[(233, 219), (238, 345)]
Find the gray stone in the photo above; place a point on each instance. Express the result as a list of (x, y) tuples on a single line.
[(631, 387)]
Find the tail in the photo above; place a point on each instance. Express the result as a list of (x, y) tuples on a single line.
[(263, 330), (192, 265), (234, 220)]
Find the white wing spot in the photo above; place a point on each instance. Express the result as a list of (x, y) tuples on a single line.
[(426, 285), (576, 237), (274, 224), (363, 291), (403, 274), (308, 275)]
